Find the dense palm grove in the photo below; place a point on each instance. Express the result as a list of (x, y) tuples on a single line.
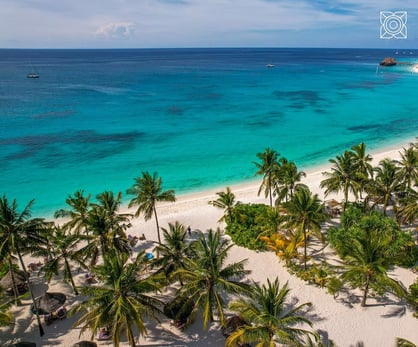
[(374, 233)]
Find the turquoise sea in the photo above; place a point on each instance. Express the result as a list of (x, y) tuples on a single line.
[(95, 119)]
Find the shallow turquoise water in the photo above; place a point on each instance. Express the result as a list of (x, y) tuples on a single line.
[(97, 118)]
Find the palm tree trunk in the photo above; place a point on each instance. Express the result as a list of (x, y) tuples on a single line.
[(385, 205), (12, 276), (365, 203), (158, 226), (366, 289), (68, 269), (271, 198), (305, 246), (345, 197), (35, 307)]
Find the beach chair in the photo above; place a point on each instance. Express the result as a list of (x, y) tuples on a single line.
[(104, 334), (61, 313), (48, 318), (89, 278)]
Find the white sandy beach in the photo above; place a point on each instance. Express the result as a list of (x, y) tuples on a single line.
[(344, 322)]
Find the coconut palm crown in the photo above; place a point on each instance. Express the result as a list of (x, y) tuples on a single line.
[(207, 277), (148, 191), (123, 301), (270, 320)]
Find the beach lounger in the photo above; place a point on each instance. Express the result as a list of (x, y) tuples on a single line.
[(104, 334)]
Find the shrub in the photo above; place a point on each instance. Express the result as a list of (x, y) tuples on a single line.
[(413, 296), (355, 223), (247, 224)]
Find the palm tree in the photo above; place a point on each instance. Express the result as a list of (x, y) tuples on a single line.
[(63, 251), (361, 160), (122, 301), (362, 165), (342, 177), (287, 179), (386, 185), (148, 191), (226, 201), (19, 233), (408, 211), (408, 171), (267, 168), (78, 212), (368, 259), (106, 234), (306, 213), (271, 321), (271, 221), (6, 317), (207, 276), (111, 203), (173, 252)]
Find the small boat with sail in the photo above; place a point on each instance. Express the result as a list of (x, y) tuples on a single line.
[(32, 75)]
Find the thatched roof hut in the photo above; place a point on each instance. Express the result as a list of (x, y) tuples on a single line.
[(85, 344), (24, 344), (49, 302), (20, 280)]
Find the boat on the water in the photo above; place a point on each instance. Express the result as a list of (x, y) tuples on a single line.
[(32, 75), (270, 65)]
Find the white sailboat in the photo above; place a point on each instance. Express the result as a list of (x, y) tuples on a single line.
[(32, 74)]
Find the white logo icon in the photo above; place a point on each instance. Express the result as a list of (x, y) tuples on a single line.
[(393, 25)]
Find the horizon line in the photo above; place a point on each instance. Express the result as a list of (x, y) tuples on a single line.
[(207, 48)]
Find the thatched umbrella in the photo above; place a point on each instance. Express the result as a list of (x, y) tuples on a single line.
[(333, 203), (85, 344), (49, 302), (232, 324), (20, 281)]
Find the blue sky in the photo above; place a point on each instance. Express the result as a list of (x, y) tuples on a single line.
[(201, 23)]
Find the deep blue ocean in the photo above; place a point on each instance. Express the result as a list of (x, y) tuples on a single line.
[(95, 119)]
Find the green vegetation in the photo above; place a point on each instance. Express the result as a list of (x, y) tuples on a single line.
[(123, 299), (207, 277), (355, 224), (148, 191), (19, 234), (267, 168), (305, 212), (196, 275), (271, 322), (64, 251), (173, 252), (412, 296), (248, 222), (225, 201)]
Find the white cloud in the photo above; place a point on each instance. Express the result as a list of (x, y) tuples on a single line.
[(116, 30), (190, 23)]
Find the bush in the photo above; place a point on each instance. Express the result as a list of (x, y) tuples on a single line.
[(247, 224), (354, 223), (413, 296)]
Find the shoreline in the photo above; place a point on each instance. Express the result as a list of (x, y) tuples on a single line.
[(246, 191), (344, 322), (246, 187)]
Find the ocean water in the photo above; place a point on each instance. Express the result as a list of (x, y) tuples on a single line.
[(95, 119)]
